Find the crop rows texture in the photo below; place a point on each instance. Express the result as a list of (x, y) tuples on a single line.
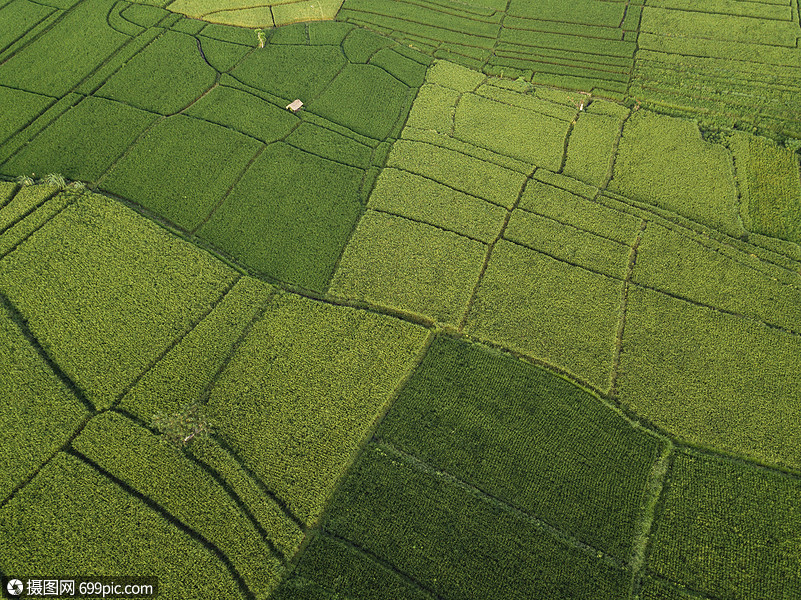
[(770, 183), (578, 45), (244, 14), (729, 530), (112, 291), (186, 119), (527, 437), (73, 519), (304, 388), (34, 428), (132, 454)]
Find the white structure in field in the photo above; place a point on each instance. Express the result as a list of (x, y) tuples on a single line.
[(294, 106)]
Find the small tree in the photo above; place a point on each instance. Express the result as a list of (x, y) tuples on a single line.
[(180, 428)]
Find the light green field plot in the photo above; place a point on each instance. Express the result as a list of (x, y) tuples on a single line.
[(449, 538), (729, 530), (113, 291), (592, 142), (663, 161), (548, 310), (409, 266), (34, 429), (303, 390), (527, 437), (188, 369), (265, 14), (669, 261), (132, 453), (770, 183), (82, 521), (421, 199), (711, 378), (26, 200)]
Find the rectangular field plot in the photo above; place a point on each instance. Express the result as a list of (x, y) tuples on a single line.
[(83, 522), (663, 161), (729, 530), (304, 388), (84, 142), (568, 243), (711, 378), (409, 266), (133, 454), (183, 374), (592, 144), (17, 109), (181, 168), (528, 437), (113, 290), (422, 199), (334, 568), (669, 261), (458, 543), (289, 216), (549, 310), (37, 411)]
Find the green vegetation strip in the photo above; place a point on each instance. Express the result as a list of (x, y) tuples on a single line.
[(527, 437)]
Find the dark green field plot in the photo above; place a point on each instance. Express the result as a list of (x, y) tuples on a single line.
[(729, 530), (527, 437), (456, 542)]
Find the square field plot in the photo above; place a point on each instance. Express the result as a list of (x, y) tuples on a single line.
[(17, 109), (289, 216), (563, 315), (181, 169), (409, 266)]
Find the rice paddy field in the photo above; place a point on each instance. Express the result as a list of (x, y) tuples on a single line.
[(509, 309)]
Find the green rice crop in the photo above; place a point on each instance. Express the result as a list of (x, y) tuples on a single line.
[(34, 428), (24, 202), (549, 310), (113, 291), (243, 112), (454, 76), (700, 272), (590, 12), (528, 437), (222, 55), (17, 109), (409, 266), (711, 378), (560, 204), (460, 544), (421, 199), (410, 70), (67, 45), (729, 530), (289, 216), (509, 130), (591, 147), (568, 243), (663, 161), (433, 108), (331, 567), (19, 232), (303, 390), (204, 162), (186, 371), (464, 173), (770, 181), (164, 78), (132, 454), (360, 45), (67, 147), (373, 114), (18, 18), (83, 523), (330, 144), (655, 589)]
